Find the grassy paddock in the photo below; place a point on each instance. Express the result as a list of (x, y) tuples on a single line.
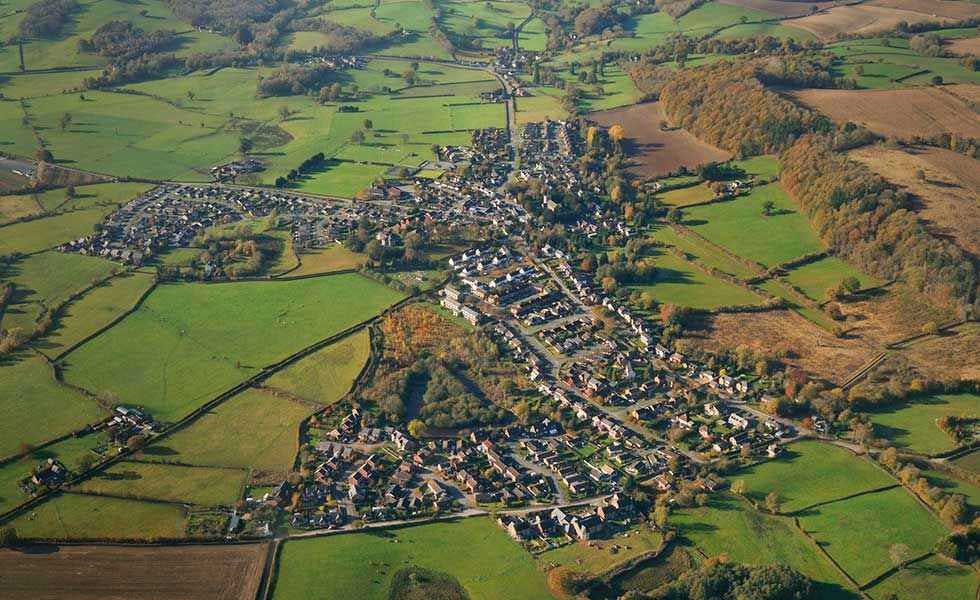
[(76, 516), (70, 452), (933, 578), (196, 485), (325, 376), (360, 566), (914, 426), (598, 556), (815, 278), (682, 283)]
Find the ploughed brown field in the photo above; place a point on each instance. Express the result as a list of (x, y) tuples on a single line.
[(899, 113), (230, 572), (965, 46), (947, 194), (880, 15), (782, 8), (652, 151)]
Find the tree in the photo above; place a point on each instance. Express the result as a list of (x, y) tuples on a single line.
[(772, 502), (190, 95), (768, 207), (65, 121), (675, 215), (8, 537), (617, 133), (930, 328), (937, 80), (738, 487), (416, 428), (284, 113), (357, 137), (70, 192), (244, 146), (368, 124), (900, 555), (889, 458)]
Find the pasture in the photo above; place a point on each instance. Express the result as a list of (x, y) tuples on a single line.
[(484, 25), (741, 226), (188, 342), (932, 578), (815, 278), (327, 260), (890, 63), (146, 573), (48, 232), (653, 151), (253, 430), (600, 555), (37, 408), (870, 17), (679, 282), (811, 472), (82, 517), (858, 532), (705, 253), (728, 526), (13, 208), (203, 486), (913, 425), (360, 566), (326, 375), (69, 451)]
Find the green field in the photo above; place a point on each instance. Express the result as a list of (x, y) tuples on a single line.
[(932, 578), (188, 342), (883, 64), (815, 278), (728, 526), (325, 376), (253, 430), (533, 36), (69, 451), (859, 532), (810, 472), (685, 196), (484, 24), (970, 462), (48, 232), (18, 207), (487, 563), (706, 253), (95, 310), (35, 407), (77, 516), (202, 486), (47, 280), (598, 556), (913, 425), (741, 226), (680, 282)]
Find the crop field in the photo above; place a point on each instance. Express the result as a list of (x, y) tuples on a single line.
[(325, 376), (145, 573), (741, 226), (679, 282), (598, 556), (901, 113), (811, 472), (83, 517), (652, 151), (859, 531), (817, 277), (487, 563), (539, 108), (871, 17), (69, 451), (682, 197), (933, 578), (729, 526), (37, 408), (913, 426), (253, 430), (204, 486), (188, 342)]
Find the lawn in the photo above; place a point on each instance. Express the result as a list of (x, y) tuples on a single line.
[(810, 472), (35, 407), (188, 342), (47, 280), (932, 578), (69, 451), (326, 375), (77, 516), (741, 226), (202, 486), (253, 430), (680, 282), (487, 563), (859, 532), (597, 556), (815, 278), (913, 425), (728, 526)]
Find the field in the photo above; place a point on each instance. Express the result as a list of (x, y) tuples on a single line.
[(36, 408), (326, 260), (858, 532), (946, 194), (900, 113), (728, 526), (81, 517), (955, 354), (484, 24), (679, 282), (933, 578), (890, 63), (188, 342), (598, 556), (705, 253), (17, 207), (46, 280), (202, 486), (913, 425), (666, 568), (817, 277), (865, 18), (136, 573), (253, 430), (783, 8), (970, 462), (652, 151), (325, 376), (811, 472), (69, 451), (740, 226), (359, 566)]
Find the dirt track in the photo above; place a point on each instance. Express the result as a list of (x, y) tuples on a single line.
[(654, 152), (229, 572)]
